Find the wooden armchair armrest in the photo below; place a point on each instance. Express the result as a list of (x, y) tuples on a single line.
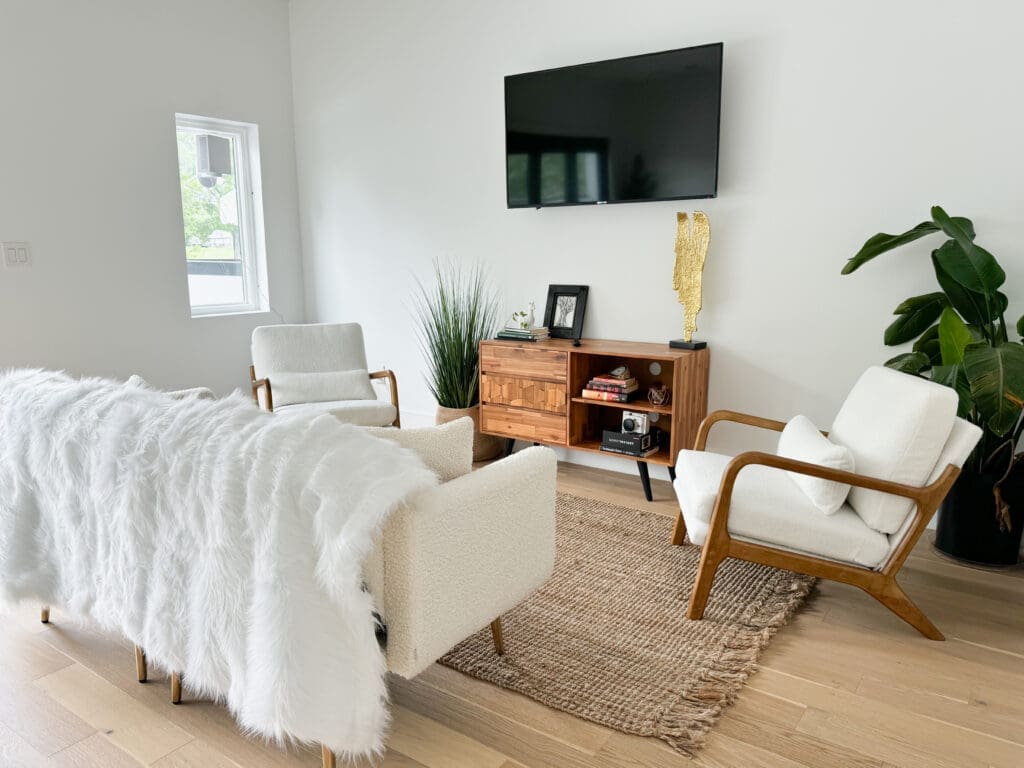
[(393, 383), (263, 384), (739, 418), (826, 473), (734, 416)]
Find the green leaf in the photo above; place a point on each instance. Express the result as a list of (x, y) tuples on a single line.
[(954, 336), (996, 375), (1020, 327), (953, 376), (956, 227), (970, 304), (929, 345), (910, 362), (975, 269), (880, 243), (1000, 303), (915, 315)]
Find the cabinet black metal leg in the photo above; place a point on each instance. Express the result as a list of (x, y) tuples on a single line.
[(672, 473), (510, 445), (645, 478)]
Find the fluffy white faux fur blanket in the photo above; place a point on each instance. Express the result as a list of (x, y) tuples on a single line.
[(227, 542)]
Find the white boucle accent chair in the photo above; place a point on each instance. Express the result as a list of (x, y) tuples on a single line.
[(464, 552), (459, 555), (907, 445), (310, 369)]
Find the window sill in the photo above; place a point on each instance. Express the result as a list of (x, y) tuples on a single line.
[(229, 313)]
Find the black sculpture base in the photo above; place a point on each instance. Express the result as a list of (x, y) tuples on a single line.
[(680, 344)]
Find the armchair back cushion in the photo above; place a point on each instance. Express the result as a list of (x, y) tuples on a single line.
[(956, 451), (896, 426), (327, 386), (446, 449), (316, 348), (803, 441)]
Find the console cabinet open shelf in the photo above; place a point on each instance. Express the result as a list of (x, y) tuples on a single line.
[(533, 391)]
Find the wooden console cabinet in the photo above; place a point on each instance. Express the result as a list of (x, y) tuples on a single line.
[(533, 391)]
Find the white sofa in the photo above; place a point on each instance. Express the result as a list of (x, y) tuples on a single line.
[(461, 554)]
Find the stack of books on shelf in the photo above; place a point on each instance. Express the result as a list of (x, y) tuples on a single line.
[(616, 387), (515, 333)]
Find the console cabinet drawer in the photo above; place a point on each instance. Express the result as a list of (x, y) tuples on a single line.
[(549, 364), (518, 392), (523, 424)]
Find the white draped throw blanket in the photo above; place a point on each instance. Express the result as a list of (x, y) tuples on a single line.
[(225, 541)]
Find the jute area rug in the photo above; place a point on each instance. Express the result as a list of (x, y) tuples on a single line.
[(607, 639)]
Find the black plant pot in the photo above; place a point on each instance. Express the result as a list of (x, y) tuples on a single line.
[(968, 528)]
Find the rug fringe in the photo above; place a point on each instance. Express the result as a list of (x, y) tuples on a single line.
[(685, 725)]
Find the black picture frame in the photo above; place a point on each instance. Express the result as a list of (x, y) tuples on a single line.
[(564, 311)]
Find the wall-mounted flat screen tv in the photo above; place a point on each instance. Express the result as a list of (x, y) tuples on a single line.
[(626, 130)]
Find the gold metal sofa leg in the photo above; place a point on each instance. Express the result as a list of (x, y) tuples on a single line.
[(175, 687), (140, 664)]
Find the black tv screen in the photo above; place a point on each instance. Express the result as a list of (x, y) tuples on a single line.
[(625, 130)]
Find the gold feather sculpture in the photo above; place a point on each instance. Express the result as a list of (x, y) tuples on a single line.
[(692, 240)]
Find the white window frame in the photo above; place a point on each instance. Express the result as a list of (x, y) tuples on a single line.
[(249, 187)]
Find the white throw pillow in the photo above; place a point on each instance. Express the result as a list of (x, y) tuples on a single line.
[(801, 440), (291, 388)]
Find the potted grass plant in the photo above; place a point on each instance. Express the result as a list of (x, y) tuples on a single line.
[(456, 312), (961, 339)]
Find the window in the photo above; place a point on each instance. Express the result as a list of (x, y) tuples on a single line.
[(222, 207)]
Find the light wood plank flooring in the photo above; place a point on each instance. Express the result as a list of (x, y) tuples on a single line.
[(845, 684)]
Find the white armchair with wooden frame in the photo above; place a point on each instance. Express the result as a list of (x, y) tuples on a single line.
[(320, 368), (907, 446)]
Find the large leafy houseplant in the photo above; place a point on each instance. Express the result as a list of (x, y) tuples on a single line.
[(456, 312), (961, 338)]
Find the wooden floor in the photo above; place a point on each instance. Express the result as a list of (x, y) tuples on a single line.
[(845, 684)]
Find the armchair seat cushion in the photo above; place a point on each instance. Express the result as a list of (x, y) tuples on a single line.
[(768, 507), (362, 413)]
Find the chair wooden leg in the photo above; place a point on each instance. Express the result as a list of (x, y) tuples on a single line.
[(328, 756), (175, 688), (710, 559), (499, 638), (892, 596), (44, 614), (679, 531), (140, 664)]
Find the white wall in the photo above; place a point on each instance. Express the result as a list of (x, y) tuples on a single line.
[(839, 120), (88, 174)]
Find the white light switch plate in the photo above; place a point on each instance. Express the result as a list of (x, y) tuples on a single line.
[(17, 255)]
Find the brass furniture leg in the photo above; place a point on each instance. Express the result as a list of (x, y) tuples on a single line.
[(44, 614), (175, 687), (140, 664), (499, 639)]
